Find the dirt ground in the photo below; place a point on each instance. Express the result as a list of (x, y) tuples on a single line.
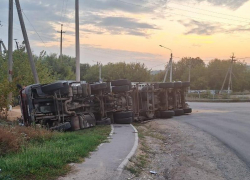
[(14, 114), (177, 151)]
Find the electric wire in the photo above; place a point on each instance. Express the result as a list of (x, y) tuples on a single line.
[(208, 10)]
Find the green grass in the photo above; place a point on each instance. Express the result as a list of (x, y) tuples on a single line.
[(49, 159)]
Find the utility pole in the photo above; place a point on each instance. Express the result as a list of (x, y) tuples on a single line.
[(4, 48), (167, 69), (61, 32), (10, 43), (230, 84), (77, 40), (100, 72), (0, 48), (171, 67), (189, 75), (26, 40), (229, 72), (16, 44)]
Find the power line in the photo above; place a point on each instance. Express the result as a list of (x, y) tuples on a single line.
[(33, 28), (210, 11), (61, 11), (191, 17), (209, 15)]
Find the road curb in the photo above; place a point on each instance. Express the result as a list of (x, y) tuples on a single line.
[(131, 153)]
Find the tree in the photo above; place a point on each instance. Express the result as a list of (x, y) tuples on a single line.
[(61, 69)]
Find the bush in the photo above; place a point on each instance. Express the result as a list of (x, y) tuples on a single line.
[(12, 138)]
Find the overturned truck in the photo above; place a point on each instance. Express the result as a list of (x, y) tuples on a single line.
[(74, 105)]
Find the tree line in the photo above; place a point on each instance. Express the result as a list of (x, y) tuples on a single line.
[(50, 68)]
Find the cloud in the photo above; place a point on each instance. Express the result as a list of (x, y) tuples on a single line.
[(208, 28), (200, 28), (116, 25)]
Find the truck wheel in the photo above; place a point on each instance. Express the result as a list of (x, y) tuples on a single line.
[(124, 120), (166, 85), (123, 114), (106, 121), (177, 84), (167, 114), (185, 84), (178, 112), (118, 89), (187, 110), (61, 127), (158, 114), (99, 86), (120, 82), (50, 88)]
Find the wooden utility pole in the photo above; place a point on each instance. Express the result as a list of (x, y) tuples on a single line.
[(61, 32), (26, 41), (77, 40)]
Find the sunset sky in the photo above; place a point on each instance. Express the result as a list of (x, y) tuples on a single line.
[(132, 30)]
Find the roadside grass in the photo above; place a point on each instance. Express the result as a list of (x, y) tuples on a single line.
[(49, 159)]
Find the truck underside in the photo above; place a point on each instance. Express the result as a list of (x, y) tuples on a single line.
[(75, 105)]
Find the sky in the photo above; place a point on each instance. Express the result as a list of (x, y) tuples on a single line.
[(132, 30)]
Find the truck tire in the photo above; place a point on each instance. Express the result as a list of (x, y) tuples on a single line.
[(61, 127), (177, 84), (187, 110), (123, 114), (167, 114), (118, 89), (100, 86), (178, 112), (120, 82), (50, 88), (166, 85), (124, 120), (185, 84), (106, 121), (158, 114)]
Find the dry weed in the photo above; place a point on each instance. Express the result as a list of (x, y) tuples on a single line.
[(12, 138)]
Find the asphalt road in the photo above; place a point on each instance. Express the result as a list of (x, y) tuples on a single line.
[(228, 122)]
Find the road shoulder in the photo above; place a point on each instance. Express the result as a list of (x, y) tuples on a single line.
[(175, 150)]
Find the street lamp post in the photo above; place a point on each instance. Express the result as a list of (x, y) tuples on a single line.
[(170, 64)]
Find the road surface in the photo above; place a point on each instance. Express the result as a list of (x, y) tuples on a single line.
[(229, 122)]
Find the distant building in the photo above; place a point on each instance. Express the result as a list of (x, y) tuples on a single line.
[(155, 72)]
